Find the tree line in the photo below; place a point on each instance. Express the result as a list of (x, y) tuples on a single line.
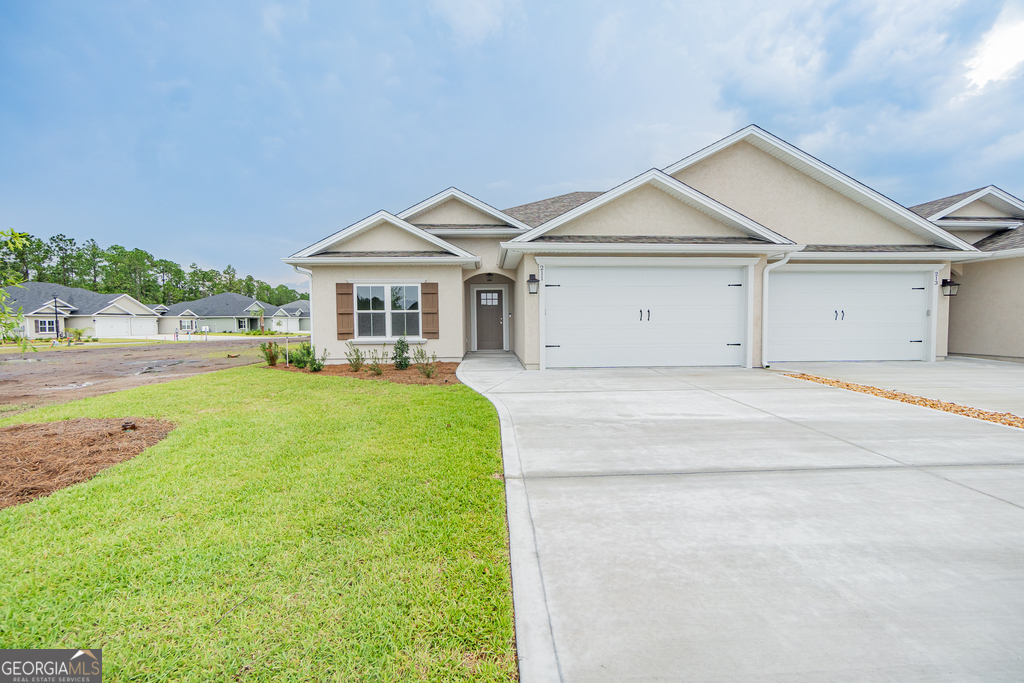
[(127, 271)]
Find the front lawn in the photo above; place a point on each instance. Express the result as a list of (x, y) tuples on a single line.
[(294, 527)]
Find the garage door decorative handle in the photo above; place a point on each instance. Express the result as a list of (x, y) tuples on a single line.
[(837, 314), (648, 314), (843, 316), (641, 315)]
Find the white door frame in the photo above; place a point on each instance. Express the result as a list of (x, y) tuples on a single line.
[(473, 289), (933, 282)]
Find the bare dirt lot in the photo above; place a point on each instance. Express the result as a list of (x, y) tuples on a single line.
[(38, 459), (45, 377)]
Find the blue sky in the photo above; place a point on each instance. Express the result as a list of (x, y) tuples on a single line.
[(239, 132)]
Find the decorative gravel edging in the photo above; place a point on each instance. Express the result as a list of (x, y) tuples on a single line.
[(1008, 419)]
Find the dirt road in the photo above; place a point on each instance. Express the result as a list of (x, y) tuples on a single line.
[(46, 377)]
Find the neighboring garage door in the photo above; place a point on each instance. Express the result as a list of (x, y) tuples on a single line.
[(852, 315), (112, 326), (608, 316), (144, 326)]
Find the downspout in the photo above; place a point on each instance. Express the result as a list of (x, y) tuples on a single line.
[(764, 305), (309, 274)]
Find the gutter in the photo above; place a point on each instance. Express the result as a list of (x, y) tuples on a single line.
[(308, 273), (511, 252), (764, 306)]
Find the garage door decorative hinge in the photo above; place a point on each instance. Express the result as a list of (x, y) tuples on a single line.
[(734, 344), (552, 285), (552, 346), (737, 285)]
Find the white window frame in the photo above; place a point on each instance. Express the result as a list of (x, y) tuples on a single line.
[(43, 322), (389, 335), (506, 318), (188, 325), (243, 324)]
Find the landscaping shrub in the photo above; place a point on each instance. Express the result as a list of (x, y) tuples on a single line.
[(75, 334), (300, 357), (401, 355), (376, 358), (270, 352), (355, 357), (316, 364), (426, 365)]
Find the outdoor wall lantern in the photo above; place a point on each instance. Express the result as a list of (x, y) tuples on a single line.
[(490, 277), (533, 283), (950, 288)]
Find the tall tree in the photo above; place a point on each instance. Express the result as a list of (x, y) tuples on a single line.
[(130, 272), (231, 283), (91, 259), (172, 281), (64, 252)]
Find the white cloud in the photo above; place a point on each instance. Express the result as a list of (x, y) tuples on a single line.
[(1000, 52), (474, 20), (275, 13)]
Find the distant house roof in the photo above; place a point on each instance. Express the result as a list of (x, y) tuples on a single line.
[(537, 213), (929, 209), (296, 309), (226, 305), (32, 296)]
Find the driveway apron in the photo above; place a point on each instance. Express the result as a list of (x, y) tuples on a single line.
[(693, 524)]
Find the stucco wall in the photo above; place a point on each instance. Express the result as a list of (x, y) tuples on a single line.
[(527, 328), (972, 236), (131, 306), (385, 237), (986, 315), (487, 249), (647, 211), (778, 196), (454, 212), (448, 347), (979, 208)]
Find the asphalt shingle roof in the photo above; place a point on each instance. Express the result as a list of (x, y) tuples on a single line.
[(226, 305), (876, 247), (34, 295), (536, 213), (300, 307), (936, 205), (1006, 239)]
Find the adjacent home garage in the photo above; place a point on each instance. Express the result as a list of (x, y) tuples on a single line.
[(850, 315), (644, 315), (112, 326)]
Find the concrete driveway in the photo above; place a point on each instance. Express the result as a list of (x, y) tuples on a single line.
[(987, 384), (737, 525)]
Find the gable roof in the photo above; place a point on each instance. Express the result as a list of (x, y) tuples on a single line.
[(830, 177), (322, 247), (225, 305), (31, 296), (455, 193), (295, 309), (539, 212), (674, 188), (940, 208), (1003, 240)]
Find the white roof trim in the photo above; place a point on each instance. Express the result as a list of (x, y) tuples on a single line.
[(49, 305), (465, 233), (455, 193), (996, 255), (887, 256), (671, 186), (372, 222), (1009, 203), (995, 226), (466, 262), (123, 310), (513, 251), (129, 296), (185, 313), (830, 177)]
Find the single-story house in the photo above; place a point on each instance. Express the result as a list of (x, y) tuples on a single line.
[(986, 318), (51, 309), (227, 312), (292, 317), (747, 252)]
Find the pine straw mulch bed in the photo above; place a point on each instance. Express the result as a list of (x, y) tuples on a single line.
[(445, 373), (1008, 419), (38, 459)]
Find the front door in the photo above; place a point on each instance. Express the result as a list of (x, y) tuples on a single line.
[(490, 333)]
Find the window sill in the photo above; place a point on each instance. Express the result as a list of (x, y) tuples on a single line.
[(370, 341)]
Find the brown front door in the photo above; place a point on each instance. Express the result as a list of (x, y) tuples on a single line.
[(489, 330)]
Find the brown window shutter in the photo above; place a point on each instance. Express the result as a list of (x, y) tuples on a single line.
[(346, 311), (431, 327)]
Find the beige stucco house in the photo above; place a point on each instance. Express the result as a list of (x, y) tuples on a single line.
[(747, 252), (987, 315)]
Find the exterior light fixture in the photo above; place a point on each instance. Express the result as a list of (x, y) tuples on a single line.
[(950, 288), (490, 277), (533, 283)]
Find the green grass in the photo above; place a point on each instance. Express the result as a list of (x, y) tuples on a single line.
[(294, 527)]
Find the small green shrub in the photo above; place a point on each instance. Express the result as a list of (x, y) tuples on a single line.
[(316, 364), (376, 359), (75, 334), (270, 352), (426, 365), (355, 357), (401, 355), (300, 356)]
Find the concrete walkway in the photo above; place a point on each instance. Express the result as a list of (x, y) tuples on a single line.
[(737, 525), (987, 384)]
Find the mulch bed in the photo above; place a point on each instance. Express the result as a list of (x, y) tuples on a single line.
[(1008, 419), (445, 373), (38, 459)]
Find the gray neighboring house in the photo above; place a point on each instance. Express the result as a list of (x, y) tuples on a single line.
[(227, 312), (51, 309), (293, 317)]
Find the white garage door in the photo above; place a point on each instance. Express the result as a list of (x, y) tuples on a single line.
[(836, 316), (144, 325), (607, 316), (112, 326)]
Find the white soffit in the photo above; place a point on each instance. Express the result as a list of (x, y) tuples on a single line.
[(371, 222), (669, 185), (830, 177), (991, 195), (455, 193)]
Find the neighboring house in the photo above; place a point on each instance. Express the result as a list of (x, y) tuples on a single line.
[(747, 252), (987, 316), (227, 312), (51, 309), (293, 317)]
